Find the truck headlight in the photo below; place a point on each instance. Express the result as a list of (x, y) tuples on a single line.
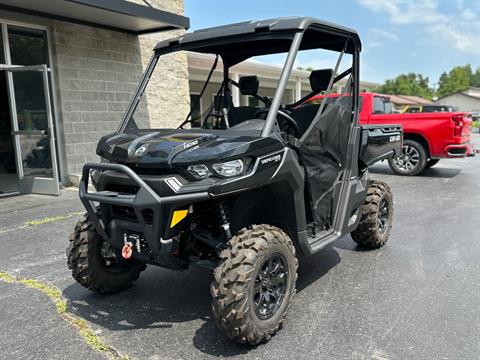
[(229, 168), (199, 171)]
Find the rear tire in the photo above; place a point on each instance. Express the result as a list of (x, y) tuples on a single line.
[(431, 162), (376, 217), (254, 284), (90, 269), (412, 161)]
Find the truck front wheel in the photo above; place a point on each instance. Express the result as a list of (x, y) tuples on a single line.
[(95, 265), (412, 161), (254, 284)]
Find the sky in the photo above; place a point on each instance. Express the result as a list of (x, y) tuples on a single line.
[(423, 36)]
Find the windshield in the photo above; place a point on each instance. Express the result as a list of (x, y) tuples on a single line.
[(241, 96), (210, 98)]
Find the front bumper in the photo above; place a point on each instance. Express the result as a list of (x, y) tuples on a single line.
[(152, 212)]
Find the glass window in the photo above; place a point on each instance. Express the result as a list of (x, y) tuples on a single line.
[(27, 46), (196, 108), (218, 103), (381, 105), (388, 107), (2, 52), (252, 101)]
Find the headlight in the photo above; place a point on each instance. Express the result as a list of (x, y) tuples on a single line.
[(199, 171), (229, 168)]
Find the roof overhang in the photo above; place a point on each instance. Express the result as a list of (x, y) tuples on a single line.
[(118, 15)]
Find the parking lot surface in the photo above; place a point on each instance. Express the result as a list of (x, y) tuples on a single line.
[(416, 298)]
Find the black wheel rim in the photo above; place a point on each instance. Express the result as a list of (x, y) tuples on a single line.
[(383, 214), (270, 286)]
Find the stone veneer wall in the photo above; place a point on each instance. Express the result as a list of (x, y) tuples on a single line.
[(96, 72)]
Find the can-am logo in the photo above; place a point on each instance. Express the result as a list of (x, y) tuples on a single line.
[(190, 144), (141, 150), (273, 159)]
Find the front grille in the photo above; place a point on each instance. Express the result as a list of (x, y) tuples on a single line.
[(123, 213), (127, 213), (147, 216)]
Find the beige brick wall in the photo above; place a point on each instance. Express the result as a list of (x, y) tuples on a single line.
[(96, 73)]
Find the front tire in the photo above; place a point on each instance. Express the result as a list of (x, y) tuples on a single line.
[(412, 161), (254, 284), (376, 217), (89, 266)]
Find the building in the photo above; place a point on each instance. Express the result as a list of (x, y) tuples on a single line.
[(399, 102), (67, 72), (200, 64), (466, 100), (68, 69)]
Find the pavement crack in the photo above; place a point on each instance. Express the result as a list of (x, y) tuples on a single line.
[(84, 330)]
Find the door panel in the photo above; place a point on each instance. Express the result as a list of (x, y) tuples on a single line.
[(8, 170), (32, 119)]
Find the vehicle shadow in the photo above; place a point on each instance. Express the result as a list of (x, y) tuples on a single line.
[(159, 299), (162, 298), (435, 172)]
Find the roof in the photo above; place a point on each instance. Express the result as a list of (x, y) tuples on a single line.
[(252, 38), (408, 100), (472, 92), (118, 15)]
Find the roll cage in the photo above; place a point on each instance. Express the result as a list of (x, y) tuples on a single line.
[(238, 42)]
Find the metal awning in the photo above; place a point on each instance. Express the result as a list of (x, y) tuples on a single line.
[(119, 15)]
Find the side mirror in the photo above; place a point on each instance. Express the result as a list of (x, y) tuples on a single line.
[(319, 79), (248, 85)]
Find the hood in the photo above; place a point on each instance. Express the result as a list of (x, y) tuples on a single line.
[(164, 148)]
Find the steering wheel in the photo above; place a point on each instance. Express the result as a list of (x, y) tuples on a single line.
[(288, 124)]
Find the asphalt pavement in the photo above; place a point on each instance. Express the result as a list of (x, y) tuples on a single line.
[(416, 298)]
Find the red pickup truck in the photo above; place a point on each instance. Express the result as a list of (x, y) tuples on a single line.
[(427, 137)]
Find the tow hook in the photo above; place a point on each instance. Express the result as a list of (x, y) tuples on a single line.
[(127, 250), (128, 241)]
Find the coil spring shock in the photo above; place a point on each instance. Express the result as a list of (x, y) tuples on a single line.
[(222, 213)]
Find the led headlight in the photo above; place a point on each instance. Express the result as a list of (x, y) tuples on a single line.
[(229, 168), (199, 171)]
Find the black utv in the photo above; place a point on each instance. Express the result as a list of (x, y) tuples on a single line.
[(244, 186)]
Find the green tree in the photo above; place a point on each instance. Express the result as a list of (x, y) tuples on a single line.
[(457, 79), (475, 79), (407, 84)]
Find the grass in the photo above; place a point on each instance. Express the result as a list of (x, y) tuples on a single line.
[(85, 332), (51, 219), (46, 220)]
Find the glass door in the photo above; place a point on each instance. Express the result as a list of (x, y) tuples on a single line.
[(32, 129)]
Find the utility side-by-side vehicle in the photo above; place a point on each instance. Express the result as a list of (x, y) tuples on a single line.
[(243, 190)]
